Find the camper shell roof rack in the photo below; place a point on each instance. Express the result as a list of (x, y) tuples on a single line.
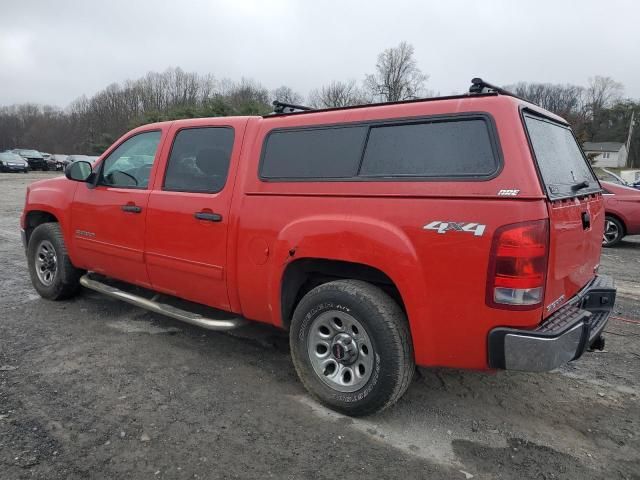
[(283, 107), (478, 88)]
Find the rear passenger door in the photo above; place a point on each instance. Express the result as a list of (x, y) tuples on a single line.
[(188, 212)]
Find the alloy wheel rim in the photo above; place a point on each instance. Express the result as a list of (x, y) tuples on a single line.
[(46, 262), (340, 351), (611, 232)]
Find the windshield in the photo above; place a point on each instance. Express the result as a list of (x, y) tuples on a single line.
[(30, 153), (609, 177), (10, 157), (564, 169)]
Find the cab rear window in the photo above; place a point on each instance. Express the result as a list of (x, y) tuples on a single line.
[(563, 167)]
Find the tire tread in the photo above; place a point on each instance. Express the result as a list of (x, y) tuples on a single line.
[(69, 283), (400, 338)]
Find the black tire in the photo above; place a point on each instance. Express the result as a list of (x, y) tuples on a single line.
[(65, 279), (613, 231), (386, 328)]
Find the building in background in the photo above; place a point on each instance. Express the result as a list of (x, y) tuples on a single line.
[(606, 154)]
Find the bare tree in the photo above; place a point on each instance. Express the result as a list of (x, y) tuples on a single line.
[(397, 76), (563, 100), (287, 95), (245, 90), (602, 92), (337, 94)]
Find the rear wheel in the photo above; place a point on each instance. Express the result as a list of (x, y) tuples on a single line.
[(351, 347), (53, 275), (613, 231)]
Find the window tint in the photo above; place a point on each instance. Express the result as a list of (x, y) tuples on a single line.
[(129, 165), (199, 160), (559, 158), (437, 149), (313, 153)]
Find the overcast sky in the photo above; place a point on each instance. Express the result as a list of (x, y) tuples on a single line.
[(54, 51)]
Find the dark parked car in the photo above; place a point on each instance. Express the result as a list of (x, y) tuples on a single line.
[(12, 162), (33, 157), (622, 207), (60, 160), (50, 161)]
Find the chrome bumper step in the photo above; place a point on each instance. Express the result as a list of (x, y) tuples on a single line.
[(91, 282)]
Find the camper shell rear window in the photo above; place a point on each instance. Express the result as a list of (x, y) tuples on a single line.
[(564, 169)]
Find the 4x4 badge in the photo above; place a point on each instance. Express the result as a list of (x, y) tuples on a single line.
[(443, 227)]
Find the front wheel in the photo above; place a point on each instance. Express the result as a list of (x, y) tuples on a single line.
[(53, 275), (613, 231), (351, 347)]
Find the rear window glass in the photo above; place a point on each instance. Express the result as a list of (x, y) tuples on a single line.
[(560, 160), (438, 149), (313, 153), (199, 160)]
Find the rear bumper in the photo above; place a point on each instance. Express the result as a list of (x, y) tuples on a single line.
[(562, 337)]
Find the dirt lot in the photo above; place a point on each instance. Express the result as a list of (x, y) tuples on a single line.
[(94, 388)]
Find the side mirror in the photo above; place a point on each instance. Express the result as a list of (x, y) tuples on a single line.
[(79, 171)]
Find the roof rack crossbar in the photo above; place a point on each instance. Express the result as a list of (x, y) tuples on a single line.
[(480, 86), (283, 107)]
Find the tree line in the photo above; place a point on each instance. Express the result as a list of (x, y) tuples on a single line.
[(598, 111)]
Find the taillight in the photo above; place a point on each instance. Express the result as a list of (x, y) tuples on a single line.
[(518, 266)]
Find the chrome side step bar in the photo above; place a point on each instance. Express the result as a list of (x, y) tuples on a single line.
[(161, 308)]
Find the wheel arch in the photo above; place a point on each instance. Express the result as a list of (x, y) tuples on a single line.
[(302, 275), (34, 218), (340, 246), (619, 218)]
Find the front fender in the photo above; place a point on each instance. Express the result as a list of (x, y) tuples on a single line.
[(53, 196)]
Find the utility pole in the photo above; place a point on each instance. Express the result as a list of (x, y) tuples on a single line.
[(628, 143)]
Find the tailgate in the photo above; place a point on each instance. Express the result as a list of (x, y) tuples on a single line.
[(576, 209), (575, 239)]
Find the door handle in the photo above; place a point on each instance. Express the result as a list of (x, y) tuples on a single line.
[(586, 220), (208, 216), (131, 208)]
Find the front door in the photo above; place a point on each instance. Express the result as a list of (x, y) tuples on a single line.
[(108, 217), (188, 214)]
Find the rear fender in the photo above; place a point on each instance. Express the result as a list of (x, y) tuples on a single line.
[(356, 239)]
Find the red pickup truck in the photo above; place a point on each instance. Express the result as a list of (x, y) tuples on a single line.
[(459, 231)]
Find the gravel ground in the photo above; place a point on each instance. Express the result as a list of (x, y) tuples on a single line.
[(95, 388)]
